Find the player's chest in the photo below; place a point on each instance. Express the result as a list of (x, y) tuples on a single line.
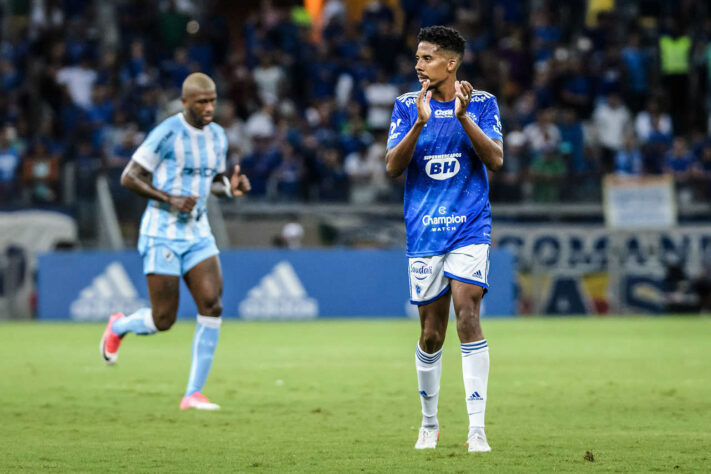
[(443, 129)]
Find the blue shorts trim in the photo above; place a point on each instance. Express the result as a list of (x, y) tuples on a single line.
[(471, 282), (441, 294)]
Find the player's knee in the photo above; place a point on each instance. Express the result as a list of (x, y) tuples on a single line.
[(212, 307), (164, 320), (432, 340)]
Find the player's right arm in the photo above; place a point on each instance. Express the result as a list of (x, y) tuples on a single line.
[(138, 174), (139, 180), (398, 158)]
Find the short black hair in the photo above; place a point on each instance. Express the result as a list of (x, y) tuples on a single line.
[(444, 37)]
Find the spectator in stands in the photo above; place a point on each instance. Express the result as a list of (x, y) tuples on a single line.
[(175, 70), (234, 127), (9, 162), (286, 180), (701, 172), (679, 161), (261, 163), (362, 170), (577, 87), (675, 54), (571, 134), (333, 180), (40, 175), (628, 160), (636, 73), (269, 76), (506, 182), (612, 121), (547, 171), (653, 125), (79, 81), (543, 133)]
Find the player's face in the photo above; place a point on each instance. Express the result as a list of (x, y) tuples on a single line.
[(200, 106), (433, 63)]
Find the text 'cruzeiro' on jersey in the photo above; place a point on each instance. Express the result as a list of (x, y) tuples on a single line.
[(447, 188), (184, 160)]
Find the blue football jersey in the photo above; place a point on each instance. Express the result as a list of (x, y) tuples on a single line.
[(447, 188), (184, 160)]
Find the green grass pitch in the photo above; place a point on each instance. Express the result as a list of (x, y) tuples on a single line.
[(341, 396)]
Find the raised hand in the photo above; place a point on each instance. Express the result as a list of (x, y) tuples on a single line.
[(184, 203), (423, 103), (463, 91), (239, 183)]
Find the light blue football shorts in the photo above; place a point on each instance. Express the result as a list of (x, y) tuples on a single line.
[(174, 257)]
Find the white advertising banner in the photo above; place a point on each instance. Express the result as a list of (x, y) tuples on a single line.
[(639, 203)]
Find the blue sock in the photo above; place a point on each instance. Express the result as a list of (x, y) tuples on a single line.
[(204, 344), (140, 322)]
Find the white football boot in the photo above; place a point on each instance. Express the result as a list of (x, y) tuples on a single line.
[(477, 442), (427, 438)]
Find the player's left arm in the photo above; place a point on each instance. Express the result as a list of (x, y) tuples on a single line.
[(489, 150), (237, 185)]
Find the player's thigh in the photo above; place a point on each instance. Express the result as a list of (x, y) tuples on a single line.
[(466, 298), (164, 293), (435, 315), (204, 280)]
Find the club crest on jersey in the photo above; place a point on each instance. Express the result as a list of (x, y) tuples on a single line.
[(441, 167), (420, 270)]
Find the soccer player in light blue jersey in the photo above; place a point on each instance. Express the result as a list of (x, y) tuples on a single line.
[(446, 136), (179, 164)]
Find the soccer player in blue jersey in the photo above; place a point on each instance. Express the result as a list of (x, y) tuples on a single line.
[(179, 164), (446, 136)]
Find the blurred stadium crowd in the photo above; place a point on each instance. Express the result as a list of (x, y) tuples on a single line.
[(585, 88)]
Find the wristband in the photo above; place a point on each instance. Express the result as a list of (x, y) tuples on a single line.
[(228, 187)]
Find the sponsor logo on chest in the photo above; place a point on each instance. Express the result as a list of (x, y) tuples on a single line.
[(439, 113), (441, 167)]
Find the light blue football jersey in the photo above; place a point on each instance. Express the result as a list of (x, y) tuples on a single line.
[(184, 160), (447, 188)]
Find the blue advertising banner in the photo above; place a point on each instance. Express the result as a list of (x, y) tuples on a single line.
[(258, 284)]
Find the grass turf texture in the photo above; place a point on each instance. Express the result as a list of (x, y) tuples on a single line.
[(341, 396)]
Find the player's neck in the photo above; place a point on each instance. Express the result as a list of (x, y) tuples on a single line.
[(445, 92), (190, 122)]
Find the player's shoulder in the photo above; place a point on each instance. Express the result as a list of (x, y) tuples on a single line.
[(169, 125), (216, 128), (482, 96), (408, 99)]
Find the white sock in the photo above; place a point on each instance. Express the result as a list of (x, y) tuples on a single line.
[(475, 371), (429, 370)]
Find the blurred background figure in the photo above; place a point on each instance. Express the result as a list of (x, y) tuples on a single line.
[(292, 235)]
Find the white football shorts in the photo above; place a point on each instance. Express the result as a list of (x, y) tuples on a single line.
[(430, 276)]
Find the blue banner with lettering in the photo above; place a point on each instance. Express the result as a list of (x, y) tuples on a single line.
[(258, 284)]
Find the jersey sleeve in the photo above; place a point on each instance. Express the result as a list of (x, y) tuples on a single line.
[(399, 124), (150, 153), (490, 121), (222, 157)]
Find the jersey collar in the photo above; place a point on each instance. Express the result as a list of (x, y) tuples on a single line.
[(190, 127)]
